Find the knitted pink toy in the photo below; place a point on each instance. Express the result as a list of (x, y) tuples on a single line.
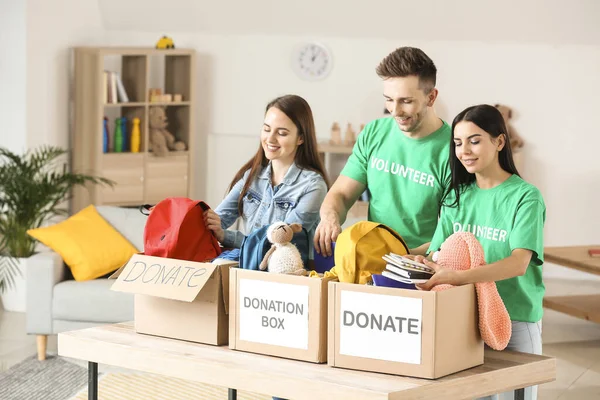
[(463, 251)]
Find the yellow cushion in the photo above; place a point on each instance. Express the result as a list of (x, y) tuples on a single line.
[(88, 244)]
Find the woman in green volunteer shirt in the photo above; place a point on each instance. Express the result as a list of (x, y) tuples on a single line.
[(488, 198)]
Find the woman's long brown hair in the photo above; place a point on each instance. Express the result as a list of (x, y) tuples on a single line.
[(307, 156)]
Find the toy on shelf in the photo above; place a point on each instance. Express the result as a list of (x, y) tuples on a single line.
[(336, 135), (165, 42), (125, 146), (105, 136), (157, 96), (118, 136), (161, 140), (135, 136), (516, 142), (350, 136)]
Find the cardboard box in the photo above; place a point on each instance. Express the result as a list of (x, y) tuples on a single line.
[(178, 299), (278, 315), (403, 332)]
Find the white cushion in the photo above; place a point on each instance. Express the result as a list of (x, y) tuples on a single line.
[(130, 222)]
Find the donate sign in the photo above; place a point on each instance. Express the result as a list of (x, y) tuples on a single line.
[(163, 277), (380, 326), (273, 313)]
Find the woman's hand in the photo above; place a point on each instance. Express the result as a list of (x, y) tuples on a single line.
[(213, 222), (440, 277)]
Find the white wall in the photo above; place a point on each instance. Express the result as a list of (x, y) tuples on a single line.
[(551, 88), (51, 31), (13, 134)]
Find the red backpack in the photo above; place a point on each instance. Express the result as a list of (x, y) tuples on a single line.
[(176, 229)]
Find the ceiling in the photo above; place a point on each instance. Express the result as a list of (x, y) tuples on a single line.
[(543, 21)]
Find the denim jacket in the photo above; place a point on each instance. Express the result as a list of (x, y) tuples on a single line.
[(297, 198)]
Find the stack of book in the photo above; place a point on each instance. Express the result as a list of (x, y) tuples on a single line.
[(114, 91), (405, 270)]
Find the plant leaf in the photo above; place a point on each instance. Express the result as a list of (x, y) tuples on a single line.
[(34, 187), (9, 269)]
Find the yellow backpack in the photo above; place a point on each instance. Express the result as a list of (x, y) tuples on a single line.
[(359, 248)]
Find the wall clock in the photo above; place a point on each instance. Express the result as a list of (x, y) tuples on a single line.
[(312, 61)]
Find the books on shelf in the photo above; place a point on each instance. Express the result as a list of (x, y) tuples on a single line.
[(114, 90)]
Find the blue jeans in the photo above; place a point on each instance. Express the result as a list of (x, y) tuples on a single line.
[(526, 338)]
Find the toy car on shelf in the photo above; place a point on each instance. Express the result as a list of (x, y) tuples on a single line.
[(165, 42)]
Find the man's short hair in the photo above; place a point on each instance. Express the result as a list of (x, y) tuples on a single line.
[(407, 61)]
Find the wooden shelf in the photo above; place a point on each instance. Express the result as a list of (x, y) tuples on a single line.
[(148, 103), (326, 147), (135, 51), (123, 154), (585, 306), (171, 154), (575, 257), (168, 103), (130, 104), (139, 177)]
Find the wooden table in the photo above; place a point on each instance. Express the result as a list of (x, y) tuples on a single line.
[(120, 346), (576, 257)]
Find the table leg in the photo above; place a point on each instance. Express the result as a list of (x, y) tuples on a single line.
[(232, 394), (520, 394), (92, 381)]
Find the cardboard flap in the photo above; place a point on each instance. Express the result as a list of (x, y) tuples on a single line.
[(225, 266), (163, 277)]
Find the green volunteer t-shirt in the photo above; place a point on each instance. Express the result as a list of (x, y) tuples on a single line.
[(507, 217), (406, 177)]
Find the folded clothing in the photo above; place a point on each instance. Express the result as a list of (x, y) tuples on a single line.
[(230, 254)]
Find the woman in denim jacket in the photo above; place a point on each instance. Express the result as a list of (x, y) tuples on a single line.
[(284, 181)]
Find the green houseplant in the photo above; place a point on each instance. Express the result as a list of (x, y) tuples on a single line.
[(34, 187)]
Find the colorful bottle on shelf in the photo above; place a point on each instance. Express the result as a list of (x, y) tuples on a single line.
[(105, 135), (125, 146), (118, 136), (135, 136)]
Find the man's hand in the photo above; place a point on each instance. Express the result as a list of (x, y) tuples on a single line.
[(327, 231), (338, 201), (213, 222)]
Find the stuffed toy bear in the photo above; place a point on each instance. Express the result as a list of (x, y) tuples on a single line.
[(516, 142), (161, 140), (283, 257), (461, 251)]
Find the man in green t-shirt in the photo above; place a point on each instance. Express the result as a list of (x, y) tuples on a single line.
[(402, 160)]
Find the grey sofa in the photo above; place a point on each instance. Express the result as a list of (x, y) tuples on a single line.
[(56, 303)]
